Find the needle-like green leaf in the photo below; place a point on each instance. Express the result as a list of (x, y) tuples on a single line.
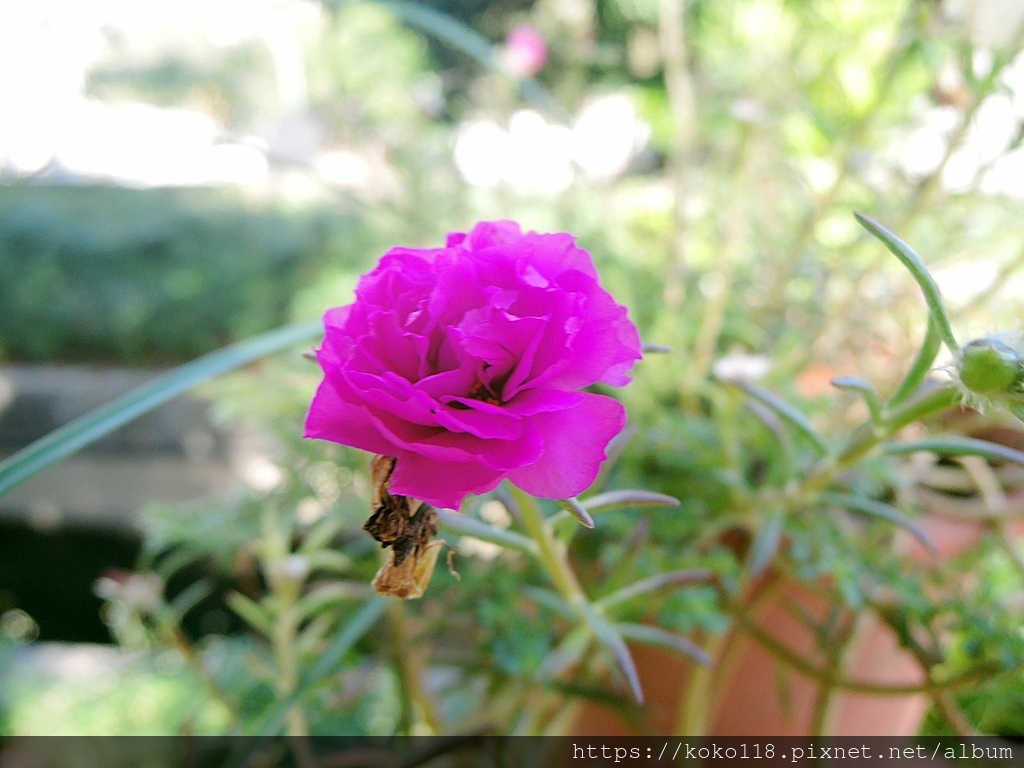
[(879, 509), (787, 412), (665, 639), (610, 637), (909, 258), (958, 446)]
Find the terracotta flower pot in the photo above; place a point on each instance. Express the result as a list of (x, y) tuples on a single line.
[(753, 693)]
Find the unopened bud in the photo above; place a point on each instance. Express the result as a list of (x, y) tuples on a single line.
[(989, 367), (294, 567), (287, 576), (142, 592)]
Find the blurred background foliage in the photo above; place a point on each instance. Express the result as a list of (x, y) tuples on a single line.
[(223, 168)]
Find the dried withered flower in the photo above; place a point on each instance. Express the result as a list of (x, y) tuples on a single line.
[(408, 527)]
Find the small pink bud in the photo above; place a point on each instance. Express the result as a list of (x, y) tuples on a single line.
[(526, 51)]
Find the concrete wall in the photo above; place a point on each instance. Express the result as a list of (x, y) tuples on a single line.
[(175, 453)]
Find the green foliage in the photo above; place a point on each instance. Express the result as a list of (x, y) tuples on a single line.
[(359, 83), (772, 123), (147, 277), (155, 695)]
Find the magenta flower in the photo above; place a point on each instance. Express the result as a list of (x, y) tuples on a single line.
[(466, 364)]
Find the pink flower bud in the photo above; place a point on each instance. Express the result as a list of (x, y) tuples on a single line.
[(526, 52)]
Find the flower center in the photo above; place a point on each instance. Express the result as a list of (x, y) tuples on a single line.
[(479, 391)]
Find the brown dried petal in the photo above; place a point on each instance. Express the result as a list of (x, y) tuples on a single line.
[(408, 527), (409, 579)]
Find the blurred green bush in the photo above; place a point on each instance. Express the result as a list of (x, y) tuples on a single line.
[(155, 276)]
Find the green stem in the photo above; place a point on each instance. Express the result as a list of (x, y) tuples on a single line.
[(952, 714), (922, 364), (710, 327), (286, 589), (550, 551), (824, 705), (325, 666), (553, 557), (409, 669), (696, 707), (180, 641), (285, 632), (452, 522), (927, 403), (943, 701), (869, 436)]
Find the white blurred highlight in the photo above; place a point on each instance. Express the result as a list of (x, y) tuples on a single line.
[(533, 155)]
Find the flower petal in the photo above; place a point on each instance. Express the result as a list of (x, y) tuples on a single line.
[(332, 417), (441, 483), (478, 418), (574, 447)]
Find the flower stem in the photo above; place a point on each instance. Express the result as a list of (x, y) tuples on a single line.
[(552, 556), (285, 631), (551, 552), (410, 671), (696, 707), (825, 700), (923, 361), (715, 309), (176, 638), (869, 436), (286, 591), (682, 104)]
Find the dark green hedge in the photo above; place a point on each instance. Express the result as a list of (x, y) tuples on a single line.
[(107, 274)]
